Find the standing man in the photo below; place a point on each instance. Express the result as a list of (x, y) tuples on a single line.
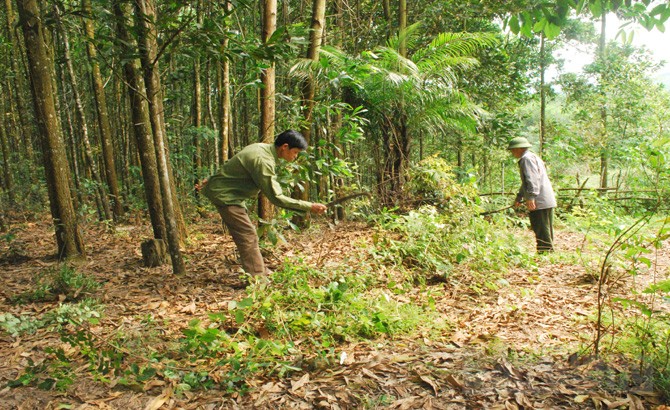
[(242, 177), (537, 192)]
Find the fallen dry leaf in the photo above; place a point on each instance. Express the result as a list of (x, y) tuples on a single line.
[(158, 401), (299, 383)]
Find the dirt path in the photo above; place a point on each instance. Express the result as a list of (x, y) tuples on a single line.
[(507, 349)]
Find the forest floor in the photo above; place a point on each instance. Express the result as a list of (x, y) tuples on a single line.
[(511, 348)]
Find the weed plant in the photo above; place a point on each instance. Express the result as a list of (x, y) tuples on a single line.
[(633, 289), (64, 281)]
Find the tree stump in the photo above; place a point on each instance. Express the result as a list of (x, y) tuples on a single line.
[(154, 252)]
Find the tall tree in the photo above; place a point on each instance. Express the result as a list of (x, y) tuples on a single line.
[(196, 109), (148, 47), (7, 180), (604, 139), (309, 84), (225, 115), (40, 67), (139, 111), (267, 122), (104, 126), (17, 75), (91, 163)]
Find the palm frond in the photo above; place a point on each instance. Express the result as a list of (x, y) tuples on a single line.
[(410, 36)]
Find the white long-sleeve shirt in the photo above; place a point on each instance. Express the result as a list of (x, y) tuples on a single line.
[(535, 182)]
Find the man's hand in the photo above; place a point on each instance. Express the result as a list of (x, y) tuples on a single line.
[(516, 204), (530, 204), (318, 208), (199, 185)]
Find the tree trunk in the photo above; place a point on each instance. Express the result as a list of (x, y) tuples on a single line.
[(149, 57), (267, 125), (81, 119), (72, 145), (604, 152), (225, 115), (26, 131), (196, 113), (149, 53), (8, 184), (386, 6), (141, 127), (70, 243), (402, 26), (104, 125), (543, 94), (309, 91)]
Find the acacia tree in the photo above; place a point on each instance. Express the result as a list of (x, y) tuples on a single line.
[(139, 111), (148, 47), (104, 126), (91, 163), (267, 97), (621, 82), (17, 76), (56, 166), (308, 91)]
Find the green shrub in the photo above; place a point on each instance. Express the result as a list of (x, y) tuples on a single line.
[(63, 281)]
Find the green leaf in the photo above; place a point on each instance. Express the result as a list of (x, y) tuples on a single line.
[(540, 25), (527, 28), (245, 303), (628, 302), (551, 31), (514, 24), (662, 286), (596, 8), (239, 317)]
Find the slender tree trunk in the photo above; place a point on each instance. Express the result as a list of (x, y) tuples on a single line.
[(388, 16), (81, 119), (8, 183), (309, 85), (73, 148), (267, 125), (149, 58), (309, 92), (141, 127), (225, 115), (15, 70), (104, 125), (402, 26), (543, 93), (338, 40), (148, 54), (604, 152), (197, 113), (70, 243)]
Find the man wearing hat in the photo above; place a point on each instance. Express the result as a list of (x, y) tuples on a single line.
[(537, 193)]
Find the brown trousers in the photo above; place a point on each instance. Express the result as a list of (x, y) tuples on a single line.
[(243, 231)]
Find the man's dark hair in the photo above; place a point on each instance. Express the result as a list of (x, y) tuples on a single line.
[(293, 138)]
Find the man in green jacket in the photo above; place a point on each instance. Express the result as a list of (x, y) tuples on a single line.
[(241, 178)]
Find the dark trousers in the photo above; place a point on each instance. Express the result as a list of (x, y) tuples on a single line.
[(541, 221)]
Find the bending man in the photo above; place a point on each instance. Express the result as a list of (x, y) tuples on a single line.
[(242, 177)]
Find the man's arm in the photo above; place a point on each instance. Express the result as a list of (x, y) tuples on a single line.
[(266, 179)]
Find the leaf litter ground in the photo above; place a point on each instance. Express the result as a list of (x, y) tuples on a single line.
[(510, 348)]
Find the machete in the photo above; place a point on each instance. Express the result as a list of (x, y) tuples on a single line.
[(338, 201)]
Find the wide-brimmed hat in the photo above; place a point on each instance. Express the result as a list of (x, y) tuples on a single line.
[(519, 142)]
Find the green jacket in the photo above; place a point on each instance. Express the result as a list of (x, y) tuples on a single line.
[(246, 174)]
